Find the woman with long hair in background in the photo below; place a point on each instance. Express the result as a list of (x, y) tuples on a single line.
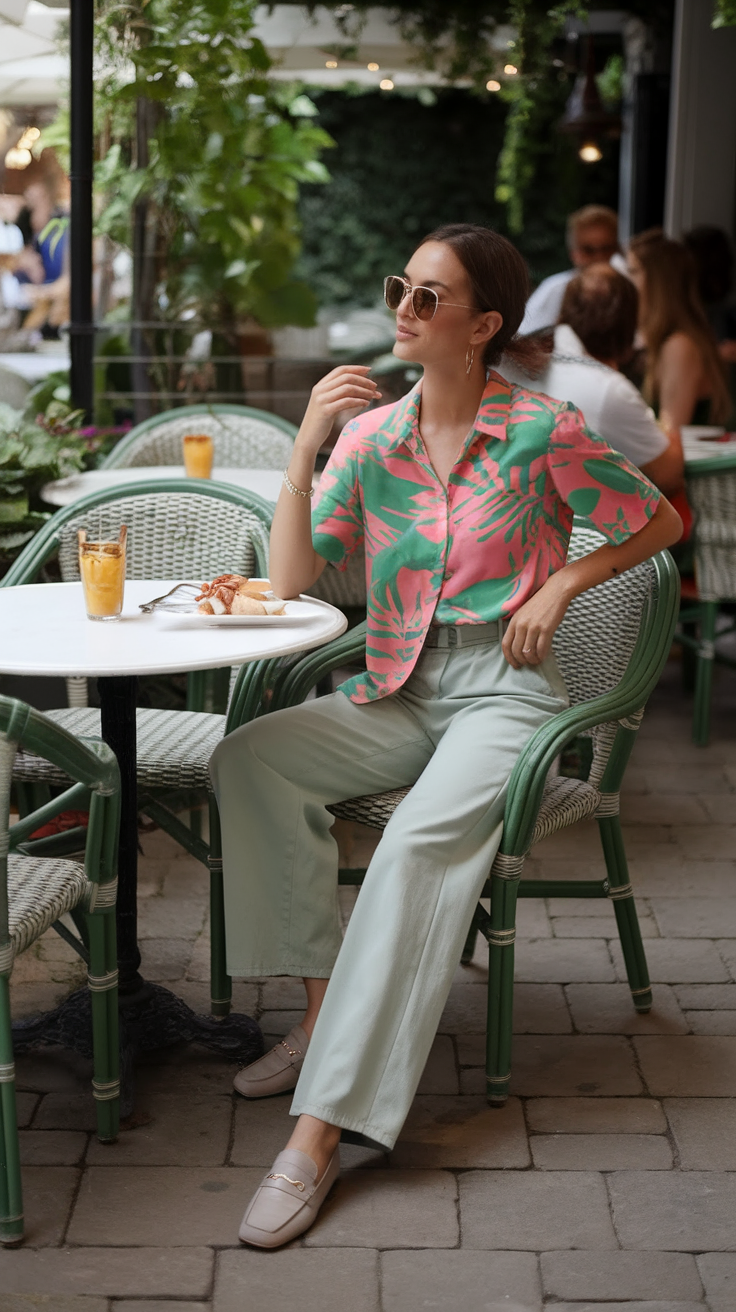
[(685, 380)]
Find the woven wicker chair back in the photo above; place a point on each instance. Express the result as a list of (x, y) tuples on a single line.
[(713, 499), (595, 641), (241, 442), (171, 535)]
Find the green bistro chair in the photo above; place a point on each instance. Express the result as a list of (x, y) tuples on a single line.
[(611, 648), (711, 490), (36, 890), (182, 531), (244, 438)]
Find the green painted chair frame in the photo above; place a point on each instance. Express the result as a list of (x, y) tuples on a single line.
[(711, 486), (162, 803), (258, 421), (87, 893), (537, 804)]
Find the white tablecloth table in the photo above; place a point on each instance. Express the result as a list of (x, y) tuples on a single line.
[(266, 482), (45, 631)]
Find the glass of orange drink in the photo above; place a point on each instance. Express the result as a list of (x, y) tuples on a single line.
[(199, 451), (102, 567)]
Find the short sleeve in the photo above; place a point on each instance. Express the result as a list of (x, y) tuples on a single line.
[(597, 483), (337, 517), (628, 423)]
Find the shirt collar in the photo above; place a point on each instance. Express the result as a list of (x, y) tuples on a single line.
[(491, 419)]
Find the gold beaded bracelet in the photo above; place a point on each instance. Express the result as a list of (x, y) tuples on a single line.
[(295, 491)]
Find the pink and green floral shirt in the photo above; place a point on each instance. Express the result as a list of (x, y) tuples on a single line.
[(478, 550)]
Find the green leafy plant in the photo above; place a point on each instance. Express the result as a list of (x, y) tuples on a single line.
[(207, 154), (33, 451)]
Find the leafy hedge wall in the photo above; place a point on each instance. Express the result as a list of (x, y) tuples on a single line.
[(402, 166)]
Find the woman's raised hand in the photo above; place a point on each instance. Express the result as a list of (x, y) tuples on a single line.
[(346, 388)]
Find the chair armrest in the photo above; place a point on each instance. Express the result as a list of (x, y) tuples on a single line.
[(308, 671)]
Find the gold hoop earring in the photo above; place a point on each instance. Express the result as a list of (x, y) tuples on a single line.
[(469, 358)]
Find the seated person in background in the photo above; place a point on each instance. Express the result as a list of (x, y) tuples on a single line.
[(713, 254), (595, 334), (685, 378), (592, 236)]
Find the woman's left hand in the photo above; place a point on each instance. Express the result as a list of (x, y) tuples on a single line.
[(528, 639)]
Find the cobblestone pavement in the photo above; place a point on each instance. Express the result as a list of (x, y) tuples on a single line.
[(608, 1182)]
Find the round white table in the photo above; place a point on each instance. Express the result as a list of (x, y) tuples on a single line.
[(45, 631), (62, 492)]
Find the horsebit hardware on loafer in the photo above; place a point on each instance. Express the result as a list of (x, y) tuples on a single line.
[(298, 1184)]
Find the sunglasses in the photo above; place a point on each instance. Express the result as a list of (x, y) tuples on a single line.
[(424, 301)]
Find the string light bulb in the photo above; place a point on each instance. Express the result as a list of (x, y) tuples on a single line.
[(17, 158), (510, 69), (493, 85), (373, 68), (386, 84), (330, 63), (590, 152)]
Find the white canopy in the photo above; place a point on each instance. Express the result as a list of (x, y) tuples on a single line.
[(32, 72)]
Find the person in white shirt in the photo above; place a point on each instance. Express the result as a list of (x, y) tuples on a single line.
[(594, 336), (592, 236)]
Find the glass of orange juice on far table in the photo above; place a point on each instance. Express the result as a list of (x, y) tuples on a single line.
[(102, 567), (199, 451)]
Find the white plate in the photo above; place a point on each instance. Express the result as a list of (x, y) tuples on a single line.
[(297, 612)]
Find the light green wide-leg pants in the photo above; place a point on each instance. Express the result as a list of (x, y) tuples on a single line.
[(455, 731)]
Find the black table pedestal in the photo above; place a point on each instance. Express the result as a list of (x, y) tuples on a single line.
[(151, 1017)]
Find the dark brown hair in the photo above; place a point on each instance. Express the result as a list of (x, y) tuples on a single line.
[(588, 217), (602, 306), (499, 281), (671, 304)]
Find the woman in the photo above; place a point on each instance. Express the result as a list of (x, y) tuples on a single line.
[(685, 379), (464, 492)]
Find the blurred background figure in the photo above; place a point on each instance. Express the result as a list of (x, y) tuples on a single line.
[(592, 236), (685, 379), (38, 285), (594, 336), (713, 254)]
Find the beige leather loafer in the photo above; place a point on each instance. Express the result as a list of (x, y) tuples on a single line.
[(276, 1072), (288, 1199)]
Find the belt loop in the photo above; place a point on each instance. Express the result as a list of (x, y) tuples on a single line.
[(452, 636)]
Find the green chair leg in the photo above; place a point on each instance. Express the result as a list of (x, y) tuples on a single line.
[(469, 949), (103, 985), (704, 673), (500, 934), (689, 661), (221, 985), (622, 895), (11, 1196)]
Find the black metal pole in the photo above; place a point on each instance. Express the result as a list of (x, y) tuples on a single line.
[(118, 727), (81, 328)]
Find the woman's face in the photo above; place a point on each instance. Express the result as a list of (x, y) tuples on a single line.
[(635, 270), (456, 325)]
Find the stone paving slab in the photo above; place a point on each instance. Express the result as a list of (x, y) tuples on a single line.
[(601, 1152), (532, 1210), (704, 1131), (688, 1211), (51, 1303), (656, 1305), (595, 1116), (609, 1009), (161, 1206), (718, 1273), (460, 1281), (566, 1065), (157, 1305), (298, 1280), (132, 1272), (688, 1066), (389, 1209), (460, 1133), (171, 1130), (581, 1275), (678, 961), (52, 1148), (48, 1192)]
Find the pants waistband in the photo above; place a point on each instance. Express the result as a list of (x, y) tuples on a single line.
[(464, 635)]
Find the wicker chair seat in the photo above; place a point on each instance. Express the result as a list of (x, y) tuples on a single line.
[(40, 889), (241, 442), (174, 747), (565, 801)]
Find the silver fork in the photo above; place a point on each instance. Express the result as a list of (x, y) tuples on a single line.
[(192, 588)]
